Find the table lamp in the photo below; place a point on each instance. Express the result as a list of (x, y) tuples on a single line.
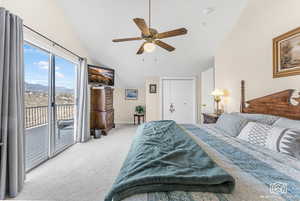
[(218, 93)]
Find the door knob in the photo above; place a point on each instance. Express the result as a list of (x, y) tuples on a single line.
[(172, 108)]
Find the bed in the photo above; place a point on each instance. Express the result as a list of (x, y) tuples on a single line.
[(259, 173)]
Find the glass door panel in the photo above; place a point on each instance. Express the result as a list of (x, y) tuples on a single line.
[(37, 68), (49, 104), (64, 90)]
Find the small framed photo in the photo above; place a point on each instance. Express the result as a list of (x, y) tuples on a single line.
[(131, 94), (286, 54), (152, 88)]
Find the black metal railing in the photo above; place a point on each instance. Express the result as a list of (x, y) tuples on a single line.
[(37, 116)]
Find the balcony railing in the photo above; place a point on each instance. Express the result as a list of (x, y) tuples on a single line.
[(37, 116)]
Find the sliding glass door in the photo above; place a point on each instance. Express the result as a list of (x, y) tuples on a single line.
[(50, 83), (37, 73), (64, 99)]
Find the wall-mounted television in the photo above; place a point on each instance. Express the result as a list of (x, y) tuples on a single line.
[(101, 76)]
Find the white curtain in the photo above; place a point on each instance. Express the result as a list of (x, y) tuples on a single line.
[(83, 104), (12, 151)]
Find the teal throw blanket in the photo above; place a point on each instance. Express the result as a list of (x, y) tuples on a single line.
[(163, 158)]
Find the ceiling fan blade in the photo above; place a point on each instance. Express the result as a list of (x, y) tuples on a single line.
[(142, 26), (176, 32), (141, 50), (164, 45), (127, 39)]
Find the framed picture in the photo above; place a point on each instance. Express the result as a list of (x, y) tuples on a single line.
[(131, 94), (286, 54), (152, 88)]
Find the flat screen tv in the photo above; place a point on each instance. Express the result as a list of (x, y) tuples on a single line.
[(101, 76)]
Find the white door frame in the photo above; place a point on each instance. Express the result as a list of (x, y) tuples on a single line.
[(213, 87), (195, 109)]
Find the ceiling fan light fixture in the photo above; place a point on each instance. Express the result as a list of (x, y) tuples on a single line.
[(151, 36), (149, 47)]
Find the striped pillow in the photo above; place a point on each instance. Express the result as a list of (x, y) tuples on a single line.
[(282, 140)]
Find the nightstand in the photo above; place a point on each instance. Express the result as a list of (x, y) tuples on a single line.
[(210, 118), (139, 118)]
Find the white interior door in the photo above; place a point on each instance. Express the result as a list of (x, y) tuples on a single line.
[(179, 100), (207, 87)]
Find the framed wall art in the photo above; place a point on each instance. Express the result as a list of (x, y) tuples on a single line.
[(286, 54), (152, 88), (131, 94)]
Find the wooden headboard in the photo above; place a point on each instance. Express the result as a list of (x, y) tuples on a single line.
[(278, 104)]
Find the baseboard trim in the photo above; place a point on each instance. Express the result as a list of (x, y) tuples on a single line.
[(123, 122)]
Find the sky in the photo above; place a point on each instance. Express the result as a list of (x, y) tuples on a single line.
[(37, 68)]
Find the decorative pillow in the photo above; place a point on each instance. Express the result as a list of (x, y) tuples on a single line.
[(287, 123), (260, 118), (231, 124), (278, 139)]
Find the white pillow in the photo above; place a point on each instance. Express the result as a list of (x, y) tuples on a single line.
[(278, 139)]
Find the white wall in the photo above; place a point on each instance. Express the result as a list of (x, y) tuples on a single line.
[(152, 100), (47, 18), (125, 109), (246, 54)]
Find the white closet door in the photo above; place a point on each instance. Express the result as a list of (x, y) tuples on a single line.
[(167, 99), (179, 100)]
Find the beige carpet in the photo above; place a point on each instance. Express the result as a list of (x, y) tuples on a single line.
[(84, 172)]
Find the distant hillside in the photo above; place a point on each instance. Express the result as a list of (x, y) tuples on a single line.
[(42, 88)]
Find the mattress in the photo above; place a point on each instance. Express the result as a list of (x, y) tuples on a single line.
[(260, 174)]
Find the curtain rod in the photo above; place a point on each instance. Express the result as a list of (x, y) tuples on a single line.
[(56, 44)]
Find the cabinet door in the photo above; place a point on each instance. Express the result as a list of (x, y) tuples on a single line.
[(98, 100), (99, 120), (109, 118), (109, 100)]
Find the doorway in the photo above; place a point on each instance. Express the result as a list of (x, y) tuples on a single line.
[(49, 104), (178, 99)]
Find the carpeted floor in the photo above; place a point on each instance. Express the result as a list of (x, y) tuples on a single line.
[(84, 172)]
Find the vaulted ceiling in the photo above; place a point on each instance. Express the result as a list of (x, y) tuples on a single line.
[(97, 22)]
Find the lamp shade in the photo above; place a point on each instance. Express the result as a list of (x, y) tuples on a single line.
[(218, 92)]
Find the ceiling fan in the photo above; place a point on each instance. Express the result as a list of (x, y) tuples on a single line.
[(151, 35)]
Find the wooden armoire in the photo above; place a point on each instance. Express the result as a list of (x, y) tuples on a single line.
[(102, 111)]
